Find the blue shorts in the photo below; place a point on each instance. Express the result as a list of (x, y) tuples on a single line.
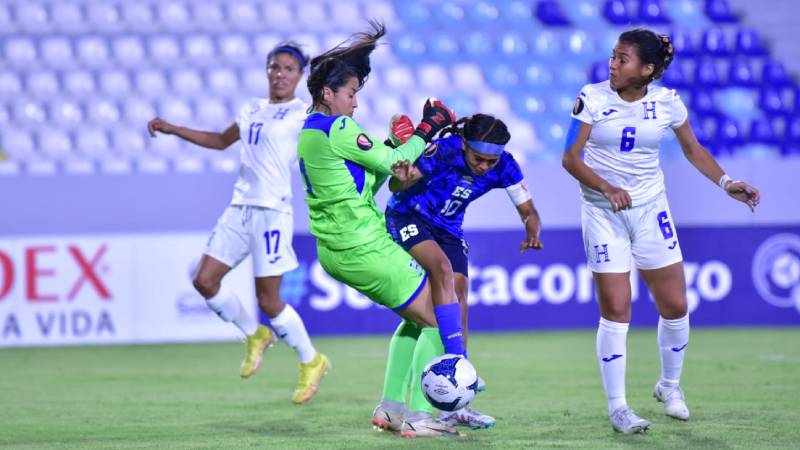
[(409, 230)]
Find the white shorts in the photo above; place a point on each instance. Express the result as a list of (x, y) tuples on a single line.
[(251, 230), (644, 234)]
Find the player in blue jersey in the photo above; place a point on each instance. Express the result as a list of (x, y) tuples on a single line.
[(426, 212)]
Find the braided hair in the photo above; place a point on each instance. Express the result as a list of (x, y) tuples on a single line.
[(479, 127), (349, 59), (651, 48)]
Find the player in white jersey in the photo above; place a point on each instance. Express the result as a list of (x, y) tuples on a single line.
[(259, 220), (617, 127)]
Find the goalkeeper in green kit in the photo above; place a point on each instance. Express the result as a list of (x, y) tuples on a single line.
[(342, 169)]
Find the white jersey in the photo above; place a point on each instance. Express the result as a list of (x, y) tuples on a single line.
[(624, 142), (268, 133)]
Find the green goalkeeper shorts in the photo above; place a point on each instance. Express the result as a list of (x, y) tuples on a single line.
[(380, 269)]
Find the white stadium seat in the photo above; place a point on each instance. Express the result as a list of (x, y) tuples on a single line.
[(151, 83), (42, 84), (79, 83), (93, 51), (56, 51), (32, 17), (67, 16), (115, 83), (20, 52), (65, 113), (187, 82), (129, 51)]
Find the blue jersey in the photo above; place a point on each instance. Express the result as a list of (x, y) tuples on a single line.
[(448, 185)]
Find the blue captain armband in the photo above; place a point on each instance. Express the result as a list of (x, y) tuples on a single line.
[(572, 133)]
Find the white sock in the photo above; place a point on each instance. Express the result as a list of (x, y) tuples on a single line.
[(290, 328), (673, 337), (228, 307), (611, 355)]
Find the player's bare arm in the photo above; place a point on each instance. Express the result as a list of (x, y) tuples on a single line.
[(207, 139), (533, 226), (702, 159), (404, 175), (571, 160)]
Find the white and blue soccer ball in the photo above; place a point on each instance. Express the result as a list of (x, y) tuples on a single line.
[(449, 382)]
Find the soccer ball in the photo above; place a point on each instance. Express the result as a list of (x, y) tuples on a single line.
[(449, 382)]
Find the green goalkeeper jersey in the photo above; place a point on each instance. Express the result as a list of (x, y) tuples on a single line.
[(342, 169)]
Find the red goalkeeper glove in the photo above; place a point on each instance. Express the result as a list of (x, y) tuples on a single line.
[(435, 117)]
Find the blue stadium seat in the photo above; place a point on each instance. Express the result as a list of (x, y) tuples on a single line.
[(208, 16), (477, 44), (103, 112), (91, 142), (585, 14), (18, 143), (652, 12), (173, 16), (222, 80), (761, 131), (511, 46), (449, 15), (462, 104), (151, 83), (164, 50), (748, 42), (720, 12), (235, 49), (92, 51), (529, 105), (546, 45), (707, 74), (486, 14), (137, 111), (128, 51), (42, 84), (579, 46), (729, 132), (104, 16), (793, 129), (616, 12), (714, 43), (703, 102), (677, 75), (246, 16), (55, 144), (254, 81), (571, 76), (176, 110), (740, 73), (537, 75), (772, 102), (599, 72), (415, 14), (7, 23), (738, 103), (410, 47), (199, 49), (444, 47), (10, 84), (278, 16), (138, 17), (774, 74), (79, 83), (503, 76), (29, 113), (186, 81), (32, 17), (683, 43), (516, 14), (549, 13), (20, 52), (212, 113), (343, 14)]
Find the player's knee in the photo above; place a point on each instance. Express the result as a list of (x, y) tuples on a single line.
[(207, 286), (617, 311), (270, 303), (442, 271)]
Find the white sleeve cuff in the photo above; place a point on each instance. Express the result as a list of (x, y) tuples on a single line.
[(518, 193)]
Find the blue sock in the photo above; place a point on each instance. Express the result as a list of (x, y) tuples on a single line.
[(449, 319)]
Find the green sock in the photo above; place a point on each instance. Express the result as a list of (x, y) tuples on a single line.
[(398, 365), (428, 347)]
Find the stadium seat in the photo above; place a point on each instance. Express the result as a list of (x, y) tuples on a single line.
[(511, 46), (254, 81), (235, 49), (515, 14), (740, 73), (57, 52), (7, 23), (343, 14), (772, 102), (444, 48), (264, 43), (115, 83), (433, 77), (278, 16), (102, 112), (245, 15), (164, 50), (29, 113), (208, 16), (103, 16), (571, 76), (10, 84), (398, 78), (739, 103), (132, 141), (748, 42), (128, 51), (585, 14), (546, 45), (706, 74), (676, 76), (599, 72), (32, 17), (20, 52), (92, 142), (79, 83), (683, 43), (579, 47), (212, 113), (138, 111), (55, 144), (477, 44), (222, 81), (503, 76), (466, 76), (410, 47), (761, 131), (537, 75), (151, 83), (494, 103), (774, 74), (138, 17), (529, 105), (199, 50), (714, 43), (93, 51), (549, 13), (17, 143), (703, 102), (616, 12), (414, 14), (173, 16), (486, 14), (462, 104), (448, 15), (42, 84), (65, 113), (720, 12), (728, 132), (652, 12), (793, 130)]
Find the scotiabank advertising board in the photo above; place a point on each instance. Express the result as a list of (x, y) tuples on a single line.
[(107, 289), (137, 288)]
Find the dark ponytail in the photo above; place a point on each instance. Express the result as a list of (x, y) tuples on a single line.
[(479, 127), (651, 48), (347, 60)]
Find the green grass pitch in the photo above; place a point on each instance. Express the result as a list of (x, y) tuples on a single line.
[(742, 385)]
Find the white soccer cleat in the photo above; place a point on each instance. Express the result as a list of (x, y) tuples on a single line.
[(624, 420), (481, 385), (384, 419), (467, 417), (427, 426), (673, 400)]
